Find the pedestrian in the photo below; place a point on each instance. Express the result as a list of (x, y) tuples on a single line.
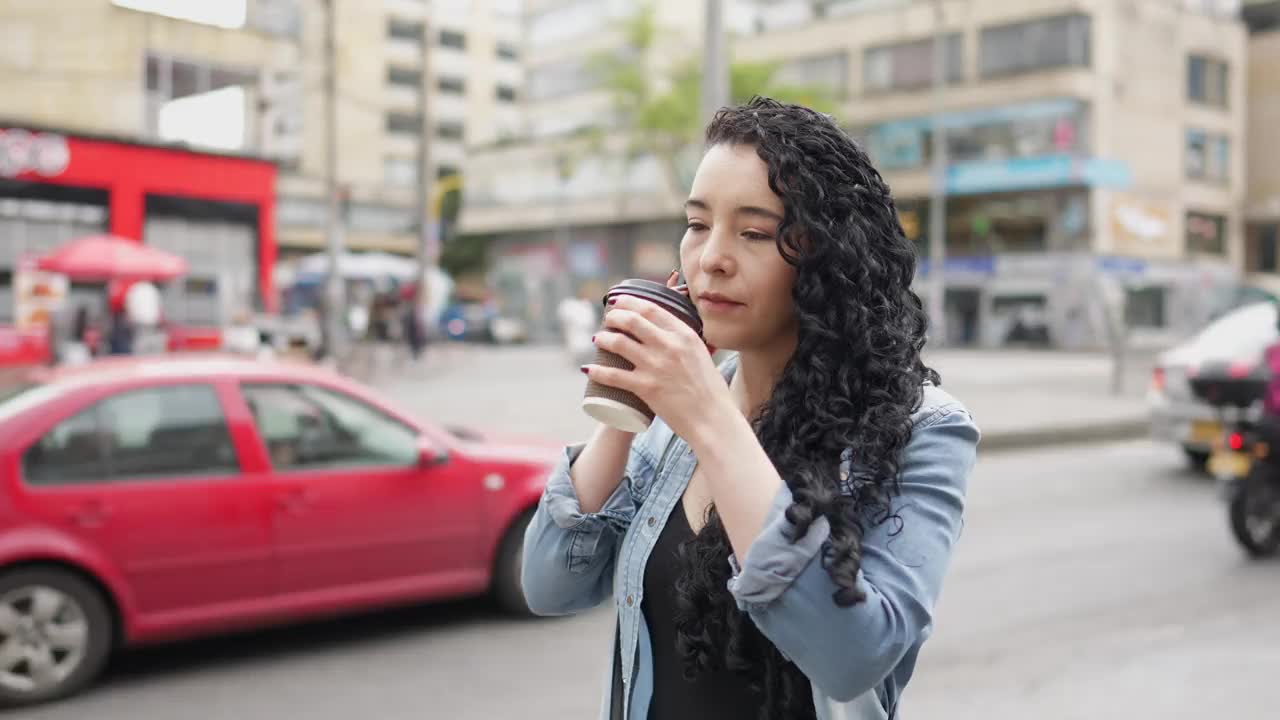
[(775, 542)]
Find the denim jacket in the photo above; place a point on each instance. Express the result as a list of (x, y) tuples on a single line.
[(858, 658)]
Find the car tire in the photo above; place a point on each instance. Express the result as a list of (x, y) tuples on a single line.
[(1197, 460), (506, 571), (80, 599)]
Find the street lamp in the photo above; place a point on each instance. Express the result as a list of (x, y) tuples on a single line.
[(938, 193), (715, 61)]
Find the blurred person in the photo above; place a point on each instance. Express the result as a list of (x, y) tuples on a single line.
[(241, 336), (776, 541), (578, 322)]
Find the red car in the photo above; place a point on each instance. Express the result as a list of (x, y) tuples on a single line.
[(161, 498)]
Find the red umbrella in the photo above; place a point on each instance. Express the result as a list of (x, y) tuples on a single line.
[(111, 257)]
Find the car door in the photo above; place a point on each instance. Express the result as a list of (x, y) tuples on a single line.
[(353, 504), (150, 476)]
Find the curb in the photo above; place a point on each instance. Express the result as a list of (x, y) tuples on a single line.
[(1102, 432)]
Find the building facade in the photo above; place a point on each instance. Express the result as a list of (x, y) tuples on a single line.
[(1096, 149), (1262, 203), (247, 78)]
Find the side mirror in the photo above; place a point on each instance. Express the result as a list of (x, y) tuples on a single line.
[(430, 455)]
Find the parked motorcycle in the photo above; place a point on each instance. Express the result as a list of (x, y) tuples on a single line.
[(1245, 459)]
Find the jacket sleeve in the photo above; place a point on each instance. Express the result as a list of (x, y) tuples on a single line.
[(569, 555), (788, 593)]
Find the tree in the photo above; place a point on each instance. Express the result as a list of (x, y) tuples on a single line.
[(660, 114)]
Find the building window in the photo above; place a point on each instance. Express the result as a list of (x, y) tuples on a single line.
[(404, 123), (1206, 234), (1144, 307), (1061, 41), (445, 171), (404, 77), (405, 30), (400, 172), (451, 85), (829, 72), (1207, 81), (507, 51), (453, 39), (1208, 156), (505, 93), (1268, 238), (555, 80), (450, 130), (909, 66), (198, 103)]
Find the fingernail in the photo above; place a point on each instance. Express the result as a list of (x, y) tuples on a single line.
[(613, 301), (593, 338), (583, 369)]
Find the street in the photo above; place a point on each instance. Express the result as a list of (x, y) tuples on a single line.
[(1091, 582)]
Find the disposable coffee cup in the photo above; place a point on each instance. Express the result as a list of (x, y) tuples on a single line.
[(619, 408)]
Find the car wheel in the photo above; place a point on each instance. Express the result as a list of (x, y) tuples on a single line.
[(506, 572), (1197, 460), (55, 635), (1255, 517)]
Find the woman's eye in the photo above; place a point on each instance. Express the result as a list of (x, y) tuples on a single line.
[(696, 225), (753, 235)]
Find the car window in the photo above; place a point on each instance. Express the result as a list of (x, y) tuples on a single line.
[(155, 432), (304, 426)]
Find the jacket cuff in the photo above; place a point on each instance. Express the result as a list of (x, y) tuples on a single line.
[(773, 561), (585, 529)]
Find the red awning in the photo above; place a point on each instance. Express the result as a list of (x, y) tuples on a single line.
[(110, 257)]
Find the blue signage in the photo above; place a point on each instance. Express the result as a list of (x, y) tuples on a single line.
[(1034, 173)]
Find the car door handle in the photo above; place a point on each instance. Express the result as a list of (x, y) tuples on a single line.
[(90, 515)]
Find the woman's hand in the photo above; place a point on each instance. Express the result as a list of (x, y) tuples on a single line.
[(674, 374)]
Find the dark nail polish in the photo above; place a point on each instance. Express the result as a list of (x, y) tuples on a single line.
[(613, 301), (593, 338), (583, 369)]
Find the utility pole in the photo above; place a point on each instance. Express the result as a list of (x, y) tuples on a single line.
[(336, 202), (938, 194), (429, 230), (715, 61)]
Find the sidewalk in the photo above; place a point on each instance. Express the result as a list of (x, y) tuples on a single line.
[(1023, 399), (1019, 399)]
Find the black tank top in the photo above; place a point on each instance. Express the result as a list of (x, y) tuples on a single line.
[(719, 695)]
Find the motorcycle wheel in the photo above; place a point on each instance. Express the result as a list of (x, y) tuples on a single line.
[(1255, 517)]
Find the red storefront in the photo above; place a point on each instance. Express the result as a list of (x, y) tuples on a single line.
[(141, 191)]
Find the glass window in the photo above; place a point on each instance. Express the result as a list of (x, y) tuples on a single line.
[(453, 39), (829, 72), (909, 66), (1208, 156), (308, 427), (507, 51), (450, 130), (505, 93), (1144, 307), (157, 432), (1268, 245), (404, 123), (1207, 81), (405, 30), (404, 76), (1206, 233), (451, 85), (1061, 41), (557, 79)]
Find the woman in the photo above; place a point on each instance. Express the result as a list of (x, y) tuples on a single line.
[(776, 540)]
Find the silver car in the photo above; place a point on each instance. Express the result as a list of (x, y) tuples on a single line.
[(1177, 416)]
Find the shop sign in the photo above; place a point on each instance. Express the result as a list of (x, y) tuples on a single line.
[(1045, 171), (22, 151), (1139, 225)]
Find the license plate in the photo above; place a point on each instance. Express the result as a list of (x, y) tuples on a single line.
[(1205, 432), (1229, 464)]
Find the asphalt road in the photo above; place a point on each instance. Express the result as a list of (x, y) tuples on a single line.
[(1090, 583)]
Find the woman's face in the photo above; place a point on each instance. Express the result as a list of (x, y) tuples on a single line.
[(737, 277)]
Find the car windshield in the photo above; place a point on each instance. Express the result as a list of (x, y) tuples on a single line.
[(1242, 332)]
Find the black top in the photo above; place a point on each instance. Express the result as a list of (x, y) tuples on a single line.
[(710, 695)]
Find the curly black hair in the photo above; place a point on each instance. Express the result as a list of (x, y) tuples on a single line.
[(852, 384)]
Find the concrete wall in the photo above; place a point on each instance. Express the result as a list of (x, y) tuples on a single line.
[(1263, 172)]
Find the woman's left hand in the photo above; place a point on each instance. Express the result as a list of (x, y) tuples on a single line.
[(674, 374)]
